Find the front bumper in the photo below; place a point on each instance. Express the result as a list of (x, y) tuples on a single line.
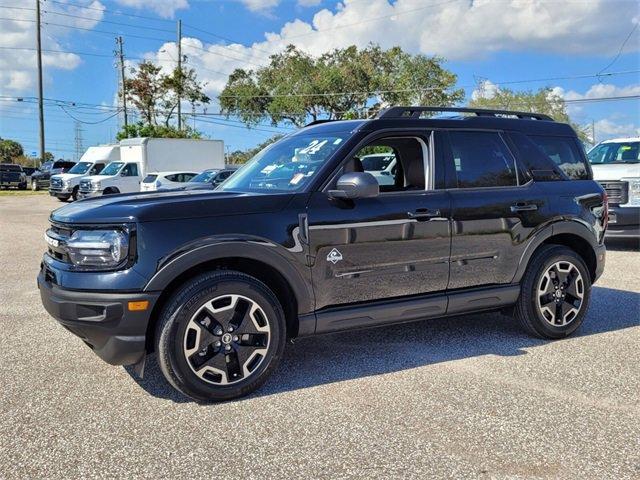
[(89, 193), (102, 320), (624, 222), (60, 192)]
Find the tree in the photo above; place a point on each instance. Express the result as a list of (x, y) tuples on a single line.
[(155, 95), (343, 83), (544, 100), (141, 129), (242, 156), (10, 149)]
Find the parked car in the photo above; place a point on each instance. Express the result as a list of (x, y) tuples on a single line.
[(165, 180), (140, 156), (67, 185), (616, 165), (210, 178), (28, 171), (381, 165), (302, 240), (12, 175), (41, 177)]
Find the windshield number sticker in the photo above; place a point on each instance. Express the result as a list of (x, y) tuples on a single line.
[(296, 179), (314, 147)]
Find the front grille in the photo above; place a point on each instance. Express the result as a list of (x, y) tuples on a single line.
[(617, 192), (62, 234), (85, 185), (56, 183)]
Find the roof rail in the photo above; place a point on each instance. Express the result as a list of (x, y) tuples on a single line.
[(414, 112), (318, 122)]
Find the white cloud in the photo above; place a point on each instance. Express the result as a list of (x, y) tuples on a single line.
[(164, 8), (607, 128), (486, 89), (18, 66), (260, 5), (309, 3), (600, 90)]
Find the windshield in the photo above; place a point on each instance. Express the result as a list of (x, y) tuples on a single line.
[(81, 167), (112, 169), (46, 166), (607, 153), (204, 176), (285, 166)]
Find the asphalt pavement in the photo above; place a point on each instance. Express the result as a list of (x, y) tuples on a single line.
[(468, 397)]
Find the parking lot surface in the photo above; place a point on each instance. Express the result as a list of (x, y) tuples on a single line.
[(464, 397)]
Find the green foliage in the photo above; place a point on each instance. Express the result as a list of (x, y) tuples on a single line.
[(243, 156), (155, 95), (544, 100), (341, 84), (10, 149), (142, 129)]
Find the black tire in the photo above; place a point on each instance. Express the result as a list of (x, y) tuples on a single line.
[(63, 199), (74, 193), (174, 328), (22, 186), (110, 191), (528, 310)]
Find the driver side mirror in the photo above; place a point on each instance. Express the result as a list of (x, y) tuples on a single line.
[(356, 185)]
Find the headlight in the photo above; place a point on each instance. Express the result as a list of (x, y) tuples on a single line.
[(102, 249), (634, 191), (65, 183)]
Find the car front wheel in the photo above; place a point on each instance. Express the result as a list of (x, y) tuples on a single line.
[(220, 336), (555, 293)]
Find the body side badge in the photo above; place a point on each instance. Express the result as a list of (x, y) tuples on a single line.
[(334, 256)]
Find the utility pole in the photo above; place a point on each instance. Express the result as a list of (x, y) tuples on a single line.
[(124, 84), (179, 73), (78, 141), (40, 95)]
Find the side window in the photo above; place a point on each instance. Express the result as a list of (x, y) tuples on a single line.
[(224, 175), (398, 164), (130, 170), (482, 159), (564, 153), (97, 168), (172, 178), (187, 176)]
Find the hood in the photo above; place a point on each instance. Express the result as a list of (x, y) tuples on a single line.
[(66, 176), (167, 205), (97, 178), (615, 171)]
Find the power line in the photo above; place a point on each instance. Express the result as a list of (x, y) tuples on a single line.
[(615, 59)]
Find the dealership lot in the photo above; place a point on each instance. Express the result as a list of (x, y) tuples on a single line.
[(465, 397)]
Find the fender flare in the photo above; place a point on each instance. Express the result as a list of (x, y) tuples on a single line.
[(573, 227), (262, 251)]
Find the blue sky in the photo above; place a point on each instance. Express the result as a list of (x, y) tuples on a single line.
[(498, 41)]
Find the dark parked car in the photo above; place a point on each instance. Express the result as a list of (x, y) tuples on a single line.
[(41, 177), (28, 171), (12, 175), (209, 178), (302, 241)]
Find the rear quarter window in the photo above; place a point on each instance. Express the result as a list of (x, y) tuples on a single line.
[(565, 153), (150, 179)]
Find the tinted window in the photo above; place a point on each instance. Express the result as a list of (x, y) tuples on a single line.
[(564, 153), (541, 166), (204, 176), (482, 159), (10, 168), (623, 152), (130, 170), (97, 168), (63, 164), (150, 179)]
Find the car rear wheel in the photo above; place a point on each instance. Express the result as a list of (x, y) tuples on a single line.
[(220, 336), (74, 193), (555, 293)]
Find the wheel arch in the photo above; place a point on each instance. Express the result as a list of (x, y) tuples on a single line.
[(573, 235), (258, 261)]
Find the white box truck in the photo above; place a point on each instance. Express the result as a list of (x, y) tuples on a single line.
[(139, 156), (66, 185)]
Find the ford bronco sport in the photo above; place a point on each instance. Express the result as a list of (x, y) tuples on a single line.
[(488, 210)]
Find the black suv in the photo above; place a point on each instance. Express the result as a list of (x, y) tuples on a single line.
[(488, 210)]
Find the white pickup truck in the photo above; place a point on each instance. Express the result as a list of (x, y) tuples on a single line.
[(616, 166), (66, 185), (140, 156)]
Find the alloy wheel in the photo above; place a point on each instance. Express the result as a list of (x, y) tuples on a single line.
[(227, 339), (560, 293)]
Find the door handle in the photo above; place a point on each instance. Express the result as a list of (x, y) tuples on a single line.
[(524, 207), (422, 214)]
